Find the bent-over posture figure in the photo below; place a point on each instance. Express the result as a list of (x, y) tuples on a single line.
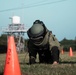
[(43, 42)]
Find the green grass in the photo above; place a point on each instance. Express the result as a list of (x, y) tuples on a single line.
[(67, 65)]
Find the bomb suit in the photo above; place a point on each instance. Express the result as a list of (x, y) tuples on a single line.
[(42, 42)]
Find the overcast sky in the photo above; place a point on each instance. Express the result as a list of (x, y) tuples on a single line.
[(59, 16)]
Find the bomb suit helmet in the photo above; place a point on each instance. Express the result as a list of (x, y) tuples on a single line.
[(37, 32)]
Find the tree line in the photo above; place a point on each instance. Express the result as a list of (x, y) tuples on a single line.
[(65, 43), (68, 43)]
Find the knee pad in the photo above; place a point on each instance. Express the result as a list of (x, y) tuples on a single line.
[(32, 60)]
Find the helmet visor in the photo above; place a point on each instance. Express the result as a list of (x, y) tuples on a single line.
[(37, 40)]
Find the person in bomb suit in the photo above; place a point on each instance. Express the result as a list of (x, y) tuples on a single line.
[(43, 42)]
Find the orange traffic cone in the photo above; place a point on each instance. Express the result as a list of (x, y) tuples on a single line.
[(12, 66), (71, 52), (62, 51)]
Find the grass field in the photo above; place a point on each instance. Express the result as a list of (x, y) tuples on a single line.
[(67, 65)]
